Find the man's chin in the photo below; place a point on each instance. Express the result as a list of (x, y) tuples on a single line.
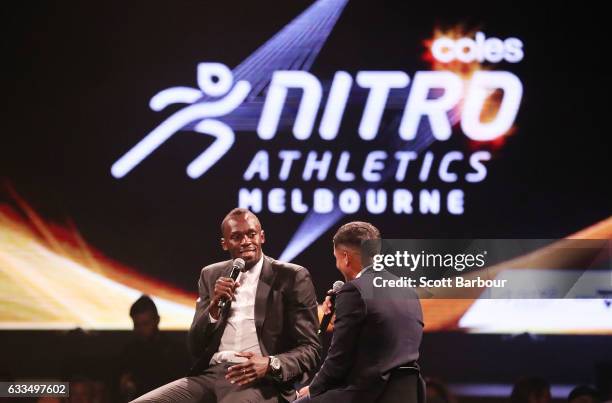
[(249, 257)]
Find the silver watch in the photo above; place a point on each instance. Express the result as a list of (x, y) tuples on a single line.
[(275, 367)]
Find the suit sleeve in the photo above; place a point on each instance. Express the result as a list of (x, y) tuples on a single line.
[(303, 324), (201, 324), (350, 316)]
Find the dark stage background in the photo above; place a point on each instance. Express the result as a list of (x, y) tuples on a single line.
[(78, 77)]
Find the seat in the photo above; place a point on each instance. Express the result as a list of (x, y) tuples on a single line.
[(404, 386)]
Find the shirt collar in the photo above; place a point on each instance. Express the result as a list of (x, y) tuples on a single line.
[(362, 271), (255, 270)]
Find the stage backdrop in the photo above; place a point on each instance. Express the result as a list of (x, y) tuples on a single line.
[(130, 130)]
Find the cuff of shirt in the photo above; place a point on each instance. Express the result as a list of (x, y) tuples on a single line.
[(212, 320)]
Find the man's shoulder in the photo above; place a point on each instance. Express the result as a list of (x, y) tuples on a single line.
[(350, 287), (281, 266), (363, 281), (215, 268), (350, 295)]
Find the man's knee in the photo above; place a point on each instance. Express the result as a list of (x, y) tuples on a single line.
[(252, 395), (184, 390)]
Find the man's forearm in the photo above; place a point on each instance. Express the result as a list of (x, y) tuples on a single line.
[(350, 313), (299, 361)]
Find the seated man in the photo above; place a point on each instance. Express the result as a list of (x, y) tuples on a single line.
[(376, 330), (267, 339)]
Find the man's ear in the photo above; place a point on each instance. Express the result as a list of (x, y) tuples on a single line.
[(223, 244), (262, 236)]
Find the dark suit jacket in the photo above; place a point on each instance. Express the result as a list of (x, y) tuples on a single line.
[(286, 320), (376, 330)]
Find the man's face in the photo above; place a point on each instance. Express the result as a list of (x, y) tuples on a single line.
[(242, 238), (145, 324)]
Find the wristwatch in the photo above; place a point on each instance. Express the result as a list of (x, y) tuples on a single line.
[(275, 368)]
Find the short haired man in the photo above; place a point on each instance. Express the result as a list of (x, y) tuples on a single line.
[(264, 342), (375, 331)]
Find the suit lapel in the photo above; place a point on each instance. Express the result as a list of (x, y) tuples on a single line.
[(266, 278)]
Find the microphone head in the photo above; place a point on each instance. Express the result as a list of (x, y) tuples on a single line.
[(337, 286), (238, 263)]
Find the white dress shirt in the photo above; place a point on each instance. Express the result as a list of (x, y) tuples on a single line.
[(240, 334)]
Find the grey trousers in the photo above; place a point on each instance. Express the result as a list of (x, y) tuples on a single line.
[(211, 387)]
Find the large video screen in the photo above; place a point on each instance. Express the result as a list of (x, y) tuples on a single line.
[(131, 130)]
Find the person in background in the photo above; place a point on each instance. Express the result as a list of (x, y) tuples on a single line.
[(530, 390), (584, 394), (81, 391), (151, 359), (437, 392)]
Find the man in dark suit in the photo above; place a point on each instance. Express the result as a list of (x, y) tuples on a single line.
[(255, 350), (376, 329)]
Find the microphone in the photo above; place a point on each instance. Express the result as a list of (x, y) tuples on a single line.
[(237, 267), (328, 316)]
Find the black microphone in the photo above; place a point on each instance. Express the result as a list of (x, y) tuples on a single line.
[(328, 316), (237, 267)]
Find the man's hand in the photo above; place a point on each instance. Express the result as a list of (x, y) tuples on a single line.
[(327, 305), (255, 368), (305, 391), (224, 289)]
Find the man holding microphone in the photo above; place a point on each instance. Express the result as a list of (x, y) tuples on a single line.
[(376, 331), (254, 329)]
